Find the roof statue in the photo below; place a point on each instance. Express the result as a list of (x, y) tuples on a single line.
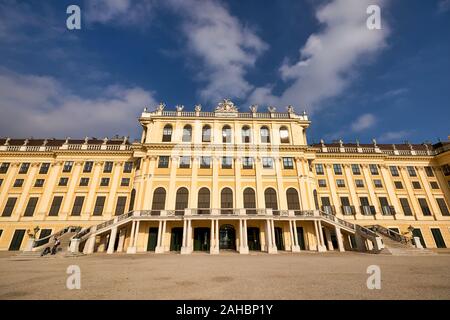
[(226, 106)]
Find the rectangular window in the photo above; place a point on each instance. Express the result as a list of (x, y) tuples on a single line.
[(4, 167), (322, 183), (163, 162), (446, 169), (107, 168), (416, 184), (424, 206), (205, 162), (443, 206), (340, 183), (267, 162), (128, 167), (63, 182), (31, 207), (429, 171), (9, 207), (434, 185), (405, 206), (44, 168), (125, 182), (185, 162), (356, 169), (99, 204), (39, 183), (394, 171), (385, 207), (77, 205), (104, 182), (288, 163), (247, 163), (56, 205), (411, 171), (18, 183), (120, 206), (359, 183), (337, 169), (366, 208), (398, 185), (227, 162), (88, 166), (378, 183), (24, 168), (68, 165), (319, 169), (84, 182), (373, 169)]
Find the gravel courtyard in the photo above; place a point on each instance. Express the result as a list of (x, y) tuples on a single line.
[(227, 276)]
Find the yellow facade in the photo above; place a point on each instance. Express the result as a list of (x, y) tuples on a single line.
[(265, 187)]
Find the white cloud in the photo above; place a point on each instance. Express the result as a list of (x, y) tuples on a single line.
[(41, 106), (364, 122), (225, 47), (393, 136), (443, 6), (126, 12), (328, 60)]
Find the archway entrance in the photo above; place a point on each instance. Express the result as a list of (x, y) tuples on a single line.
[(227, 237), (253, 241), (201, 239)]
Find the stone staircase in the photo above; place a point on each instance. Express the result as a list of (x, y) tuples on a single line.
[(398, 245)]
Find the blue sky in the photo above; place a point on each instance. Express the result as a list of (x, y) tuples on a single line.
[(391, 84)]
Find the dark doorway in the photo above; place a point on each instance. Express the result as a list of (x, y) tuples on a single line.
[(152, 239), (253, 241), (418, 233), (201, 239), (440, 243), (16, 241), (227, 237), (176, 239), (301, 238), (279, 241)]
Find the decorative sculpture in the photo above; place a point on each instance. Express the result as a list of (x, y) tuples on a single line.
[(179, 107), (160, 106), (198, 108), (290, 109), (271, 109), (226, 106), (254, 108)]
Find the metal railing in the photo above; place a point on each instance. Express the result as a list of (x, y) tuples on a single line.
[(45, 240)]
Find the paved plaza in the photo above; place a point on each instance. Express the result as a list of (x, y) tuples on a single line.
[(227, 276)]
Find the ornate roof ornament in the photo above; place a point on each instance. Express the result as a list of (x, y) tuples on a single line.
[(304, 113), (125, 139), (357, 143), (341, 143), (86, 139), (67, 140), (26, 142), (105, 140), (198, 108), (160, 106), (44, 143), (7, 141), (226, 106), (394, 147), (179, 107), (145, 109), (374, 143), (254, 108), (322, 143), (290, 109), (271, 109)]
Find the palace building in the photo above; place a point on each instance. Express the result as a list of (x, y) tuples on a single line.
[(222, 180)]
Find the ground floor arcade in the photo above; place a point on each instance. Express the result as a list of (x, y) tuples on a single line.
[(214, 235)]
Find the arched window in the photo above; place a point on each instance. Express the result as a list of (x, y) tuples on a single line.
[(250, 201), (265, 135), (293, 200), (226, 200), (284, 135), (206, 133), (187, 133), (270, 197), (167, 133), (203, 201), (226, 134), (132, 197), (159, 201), (181, 201), (246, 134), (316, 199)]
